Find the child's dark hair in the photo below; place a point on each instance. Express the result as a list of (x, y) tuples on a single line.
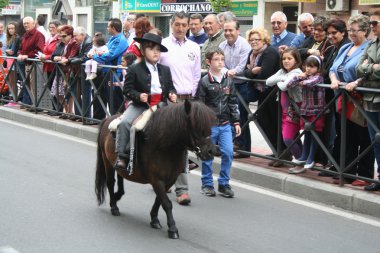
[(296, 55), (99, 39), (147, 44), (211, 53), (314, 61), (129, 58)]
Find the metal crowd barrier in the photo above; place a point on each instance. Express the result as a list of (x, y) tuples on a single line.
[(102, 89), (340, 165), (21, 86)]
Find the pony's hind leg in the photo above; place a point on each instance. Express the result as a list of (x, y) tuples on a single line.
[(111, 191), (155, 223), (120, 188), (160, 190)]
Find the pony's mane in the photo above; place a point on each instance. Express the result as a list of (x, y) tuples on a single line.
[(171, 127)]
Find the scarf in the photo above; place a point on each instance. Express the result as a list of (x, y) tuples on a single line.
[(255, 57)]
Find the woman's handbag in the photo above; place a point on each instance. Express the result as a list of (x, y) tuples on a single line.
[(352, 112)]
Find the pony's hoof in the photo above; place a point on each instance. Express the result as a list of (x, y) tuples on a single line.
[(155, 224), (173, 235), (115, 211)]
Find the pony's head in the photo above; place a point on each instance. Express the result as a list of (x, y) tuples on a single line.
[(183, 126), (200, 121)]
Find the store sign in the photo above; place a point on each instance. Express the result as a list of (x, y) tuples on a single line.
[(244, 9), (12, 9), (301, 1), (186, 7), (147, 6), (369, 2)]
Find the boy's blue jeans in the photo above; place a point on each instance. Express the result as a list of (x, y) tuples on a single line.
[(223, 136)]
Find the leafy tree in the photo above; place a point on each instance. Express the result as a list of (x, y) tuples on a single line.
[(4, 3), (220, 5)]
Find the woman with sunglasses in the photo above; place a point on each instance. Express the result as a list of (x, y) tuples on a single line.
[(67, 48), (368, 68)]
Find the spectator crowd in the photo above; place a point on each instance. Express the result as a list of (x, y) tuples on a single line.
[(326, 51)]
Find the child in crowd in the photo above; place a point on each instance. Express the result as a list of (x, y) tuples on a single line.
[(127, 60), (99, 47), (290, 67), (217, 91), (313, 101)]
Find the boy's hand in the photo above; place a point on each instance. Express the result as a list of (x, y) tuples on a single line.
[(237, 130), (173, 97), (144, 97)]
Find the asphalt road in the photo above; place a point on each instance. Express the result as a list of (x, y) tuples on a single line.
[(47, 204)]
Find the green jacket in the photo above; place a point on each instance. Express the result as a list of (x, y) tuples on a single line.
[(211, 43), (371, 78)]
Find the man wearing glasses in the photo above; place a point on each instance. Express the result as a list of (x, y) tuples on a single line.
[(280, 36)]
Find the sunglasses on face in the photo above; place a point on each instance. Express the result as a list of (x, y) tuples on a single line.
[(373, 22), (63, 36)]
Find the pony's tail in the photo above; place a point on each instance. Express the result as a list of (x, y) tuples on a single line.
[(100, 178)]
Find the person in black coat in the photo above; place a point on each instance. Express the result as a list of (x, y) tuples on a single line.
[(263, 62), (147, 83), (83, 88)]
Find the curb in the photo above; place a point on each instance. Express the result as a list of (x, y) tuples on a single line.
[(304, 188)]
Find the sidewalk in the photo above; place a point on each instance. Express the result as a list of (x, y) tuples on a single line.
[(248, 170)]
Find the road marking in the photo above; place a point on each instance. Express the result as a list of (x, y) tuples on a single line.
[(8, 249), (307, 203), (51, 132)]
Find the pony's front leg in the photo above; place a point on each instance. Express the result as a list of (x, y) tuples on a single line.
[(155, 223), (167, 205), (110, 186)]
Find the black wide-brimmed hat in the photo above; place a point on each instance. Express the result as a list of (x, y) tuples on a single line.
[(151, 37)]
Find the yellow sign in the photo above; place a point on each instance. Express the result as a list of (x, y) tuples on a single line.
[(369, 2)]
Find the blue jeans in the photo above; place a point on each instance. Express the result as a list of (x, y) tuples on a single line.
[(375, 118), (222, 135)]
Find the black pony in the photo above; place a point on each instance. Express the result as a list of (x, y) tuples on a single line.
[(161, 155)]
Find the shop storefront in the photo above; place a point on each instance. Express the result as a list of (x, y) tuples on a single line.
[(11, 12)]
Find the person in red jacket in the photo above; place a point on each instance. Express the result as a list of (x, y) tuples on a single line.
[(32, 42)]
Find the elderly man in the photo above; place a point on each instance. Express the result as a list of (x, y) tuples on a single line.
[(32, 42), (236, 50), (196, 27), (215, 36), (224, 17), (83, 90), (117, 45), (183, 59), (128, 28), (280, 35), (305, 24)]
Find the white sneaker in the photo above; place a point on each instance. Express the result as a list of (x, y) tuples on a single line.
[(298, 162), (296, 170), (309, 165)]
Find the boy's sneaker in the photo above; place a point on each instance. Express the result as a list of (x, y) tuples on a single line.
[(208, 191), (226, 191)]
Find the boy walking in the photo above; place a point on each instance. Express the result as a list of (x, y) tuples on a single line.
[(217, 91)]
